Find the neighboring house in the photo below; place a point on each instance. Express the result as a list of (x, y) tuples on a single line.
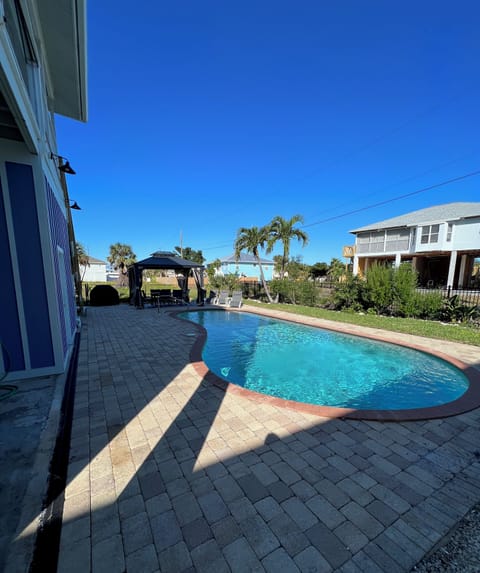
[(42, 72), (246, 267), (112, 275), (94, 272), (440, 242)]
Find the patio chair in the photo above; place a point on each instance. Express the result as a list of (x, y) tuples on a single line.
[(211, 298), (145, 299), (161, 296), (222, 297), (177, 295), (236, 299)]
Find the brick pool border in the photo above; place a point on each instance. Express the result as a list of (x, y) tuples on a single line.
[(470, 400)]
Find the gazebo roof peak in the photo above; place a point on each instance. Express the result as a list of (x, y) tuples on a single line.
[(164, 254)]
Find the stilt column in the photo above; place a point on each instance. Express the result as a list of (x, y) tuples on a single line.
[(451, 269)]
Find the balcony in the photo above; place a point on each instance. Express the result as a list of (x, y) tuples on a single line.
[(385, 242)]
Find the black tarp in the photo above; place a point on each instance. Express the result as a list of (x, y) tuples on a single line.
[(164, 260)]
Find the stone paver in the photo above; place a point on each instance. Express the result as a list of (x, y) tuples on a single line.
[(174, 559), (259, 535), (311, 560), (208, 557), (196, 532), (241, 558), (179, 475), (279, 560)]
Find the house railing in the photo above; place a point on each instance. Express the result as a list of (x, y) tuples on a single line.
[(468, 296), (392, 246)]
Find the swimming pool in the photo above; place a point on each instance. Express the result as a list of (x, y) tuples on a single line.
[(317, 366)]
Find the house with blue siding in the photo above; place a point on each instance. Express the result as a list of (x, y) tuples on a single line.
[(246, 267), (42, 73)]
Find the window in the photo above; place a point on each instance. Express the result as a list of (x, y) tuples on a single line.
[(449, 232), (430, 234), (19, 36), (372, 242), (397, 240), (434, 229)]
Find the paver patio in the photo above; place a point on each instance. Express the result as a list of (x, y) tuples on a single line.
[(169, 473)]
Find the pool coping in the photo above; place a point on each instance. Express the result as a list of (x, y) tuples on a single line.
[(468, 401)]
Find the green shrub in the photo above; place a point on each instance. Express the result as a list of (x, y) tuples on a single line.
[(229, 282), (349, 294), (455, 310), (290, 291), (379, 288), (428, 305), (104, 295), (279, 290), (404, 284), (306, 293)]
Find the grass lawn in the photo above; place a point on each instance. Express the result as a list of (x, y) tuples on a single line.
[(430, 328)]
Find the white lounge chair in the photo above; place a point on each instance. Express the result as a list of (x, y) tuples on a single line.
[(222, 297), (236, 299)]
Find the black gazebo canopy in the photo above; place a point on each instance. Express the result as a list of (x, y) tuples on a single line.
[(167, 261)]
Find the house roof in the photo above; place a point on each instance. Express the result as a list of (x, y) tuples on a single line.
[(64, 38), (436, 214), (245, 258), (94, 261)]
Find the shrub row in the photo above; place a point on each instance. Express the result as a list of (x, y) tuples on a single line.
[(385, 291)]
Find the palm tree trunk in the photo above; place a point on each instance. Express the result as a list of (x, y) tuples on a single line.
[(282, 268), (284, 264), (286, 253), (264, 282)]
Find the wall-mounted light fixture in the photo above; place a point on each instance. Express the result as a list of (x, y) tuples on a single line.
[(63, 164), (75, 206)]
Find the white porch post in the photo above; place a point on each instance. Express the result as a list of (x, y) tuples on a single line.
[(398, 260), (355, 265), (461, 276), (451, 268)]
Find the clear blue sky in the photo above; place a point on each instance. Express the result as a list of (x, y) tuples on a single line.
[(208, 116)]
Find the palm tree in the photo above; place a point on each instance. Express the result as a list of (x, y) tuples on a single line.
[(283, 230), (121, 256), (83, 258), (250, 240), (336, 270)]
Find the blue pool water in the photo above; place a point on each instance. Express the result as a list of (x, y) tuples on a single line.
[(317, 366)]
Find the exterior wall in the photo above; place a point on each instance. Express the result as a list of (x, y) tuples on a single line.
[(95, 273), (30, 264), (441, 244), (37, 304), (64, 289), (11, 356), (35, 331), (248, 270), (466, 235)]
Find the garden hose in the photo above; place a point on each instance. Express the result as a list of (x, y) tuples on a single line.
[(7, 390)]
